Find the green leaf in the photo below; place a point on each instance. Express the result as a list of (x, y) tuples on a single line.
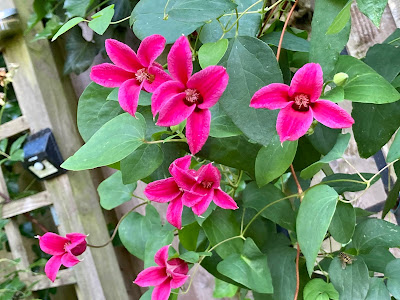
[(199, 10), (242, 154), (18, 155), (223, 289), (343, 223), (335, 95), (80, 53), (249, 24), (67, 26), (140, 234), (394, 38), (373, 9), (211, 53), (375, 232), (280, 212), (319, 288), (374, 126), (221, 125), (101, 20), (324, 138), (141, 163), (364, 84), (77, 7), (377, 290), (249, 268), (391, 199), (113, 192), (189, 235), (336, 153), (148, 18), (348, 182), (3, 145), (245, 60), (392, 273), (94, 111), (190, 256), (315, 214), (377, 259), (51, 28), (325, 49), (340, 20), (394, 151), (17, 144), (289, 42), (351, 282), (273, 160), (221, 225), (384, 59), (114, 141)]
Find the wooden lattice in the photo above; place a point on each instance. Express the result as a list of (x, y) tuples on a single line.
[(47, 100)]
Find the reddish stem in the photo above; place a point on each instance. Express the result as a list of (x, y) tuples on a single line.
[(33, 220), (278, 53), (266, 21)]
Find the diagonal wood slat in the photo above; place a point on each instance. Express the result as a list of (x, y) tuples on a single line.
[(64, 277), (13, 127), (17, 207)]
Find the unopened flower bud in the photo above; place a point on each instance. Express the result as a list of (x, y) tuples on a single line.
[(340, 78)]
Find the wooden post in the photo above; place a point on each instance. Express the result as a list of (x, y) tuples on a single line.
[(44, 103)]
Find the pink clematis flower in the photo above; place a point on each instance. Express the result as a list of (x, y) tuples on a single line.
[(131, 72), (300, 103), (168, 190), (169, 274), (204, 187), (63, 249), (188, 96)]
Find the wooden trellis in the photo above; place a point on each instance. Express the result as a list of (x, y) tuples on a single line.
[(45, 101)]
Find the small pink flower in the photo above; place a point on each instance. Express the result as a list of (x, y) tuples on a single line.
[(300, 103), (63, 249), (168, 190), (188, 96), (169, 274), (131, 72), (205, 190)]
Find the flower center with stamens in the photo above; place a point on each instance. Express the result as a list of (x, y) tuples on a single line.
[(301, 102), (192, 97), (207, 184), (142, 75)]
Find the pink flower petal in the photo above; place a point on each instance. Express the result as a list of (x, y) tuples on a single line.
[(178, 280), (174, 111), (128, 95), (122, 55), (78, 243), (198, 129), (52, 267), (69, 260), (307, 80), (292, 124), (182, 162), (180, 60), (209, 173), (150, 48), (162, 291), (177, 266), (162, 191), (160, 76), (272, 96), (223, 200), (184, 178), (109, 75), (331, 114), (201, 207), (151, 276), (76, 238), (161, 256), (164, 93), (52, 243), (211, 83), (174, 212), (190, 198)]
